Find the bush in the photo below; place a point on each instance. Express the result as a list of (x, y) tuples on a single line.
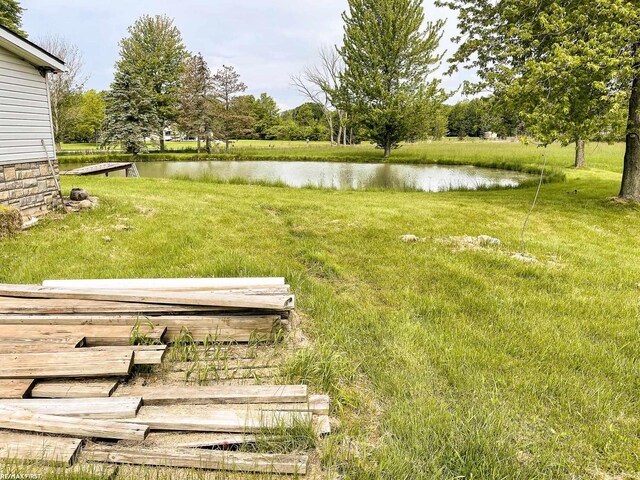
[(10, 221)]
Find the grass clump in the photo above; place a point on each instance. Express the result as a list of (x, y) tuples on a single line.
[(10, 221)]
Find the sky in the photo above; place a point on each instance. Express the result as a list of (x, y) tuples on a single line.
[(267, 41)]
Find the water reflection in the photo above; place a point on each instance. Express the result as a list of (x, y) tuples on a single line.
[(431, 178)]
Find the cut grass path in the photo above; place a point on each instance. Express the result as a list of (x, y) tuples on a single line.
[(447, 364)]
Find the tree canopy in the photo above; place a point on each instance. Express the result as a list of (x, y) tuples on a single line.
[(572, 66)]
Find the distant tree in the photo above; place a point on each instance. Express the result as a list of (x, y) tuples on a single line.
[(130, 116), (89, 117), (231, 117), (388, 58), (65, 87), (266, 115), (154, 54), (323, 85), (569, 66), (194, 101), (11, 16)]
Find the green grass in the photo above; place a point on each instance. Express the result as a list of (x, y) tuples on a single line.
[(444, 363)]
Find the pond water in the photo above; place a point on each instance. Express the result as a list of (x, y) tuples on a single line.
[(429, 178)]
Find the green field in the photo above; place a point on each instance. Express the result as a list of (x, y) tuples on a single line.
[(443, 361)]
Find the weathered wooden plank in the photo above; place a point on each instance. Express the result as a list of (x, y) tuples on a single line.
[(223, 328), (207, 299), (223, 421), (97, 169), (39, 344), (78, 471), (196, 440), (74, 389), (18, 388), (25, 420), (168, 283), (192, 458), (322, 425), (104, 408), (37, 306), (74, 363), (219, 394), (142, 354), (94, 335), (43, 450)]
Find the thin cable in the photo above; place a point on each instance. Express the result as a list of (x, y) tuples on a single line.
[(533, 205)]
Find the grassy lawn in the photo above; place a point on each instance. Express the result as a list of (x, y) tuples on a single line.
[(444, 362)]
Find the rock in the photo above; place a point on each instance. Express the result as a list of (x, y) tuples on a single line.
[(78, 194), (487, 240), (524, 258), (85, 204), (409, 238)]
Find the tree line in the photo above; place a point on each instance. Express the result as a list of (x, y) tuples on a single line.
[(568, 71)]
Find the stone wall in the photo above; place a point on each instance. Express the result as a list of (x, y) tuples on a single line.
[(30, 187)]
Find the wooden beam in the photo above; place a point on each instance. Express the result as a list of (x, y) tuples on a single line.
[(43, 306), (43, 450), (19, 388), (197, 440), (142, 354), (219, 394), (223, 328), (191, 458), (39, 344), (74, 363), (223, 421), (206, 299), (25, 420), (74, 389), (94, 335), (168, 283), (110, 407)]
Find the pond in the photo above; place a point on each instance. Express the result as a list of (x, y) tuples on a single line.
[(429, 178)]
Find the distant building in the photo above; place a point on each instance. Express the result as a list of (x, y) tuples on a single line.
[(26, 176), (490, 136)]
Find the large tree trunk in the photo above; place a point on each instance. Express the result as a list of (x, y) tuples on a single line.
[(580, 161), (387, 147), (630, 188), (226, 146), (199, 144), (208, 144)]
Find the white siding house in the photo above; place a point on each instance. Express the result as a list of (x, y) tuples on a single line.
[(26, 178)]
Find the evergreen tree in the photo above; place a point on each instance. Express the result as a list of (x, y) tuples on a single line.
[(11, 15), (154, 54), (194, 103), (130, 114), (388, 58)]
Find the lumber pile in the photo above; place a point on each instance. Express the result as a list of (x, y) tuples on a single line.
[(71, 351)]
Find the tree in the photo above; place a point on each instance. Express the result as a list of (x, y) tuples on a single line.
[(11, 16), (65, 87), (131, 115), (194, 102), (88, 119), (323, 86), (266, 115), (231, 116), (388, 58), (154, 54), (572, 66)]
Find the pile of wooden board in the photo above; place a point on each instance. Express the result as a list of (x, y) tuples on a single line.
[(67, 349)]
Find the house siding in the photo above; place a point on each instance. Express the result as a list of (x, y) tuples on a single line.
[(26, 179)]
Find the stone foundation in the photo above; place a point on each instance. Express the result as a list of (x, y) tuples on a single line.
[(30, 187)]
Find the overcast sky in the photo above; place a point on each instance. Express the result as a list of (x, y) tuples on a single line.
[(266, 40)]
